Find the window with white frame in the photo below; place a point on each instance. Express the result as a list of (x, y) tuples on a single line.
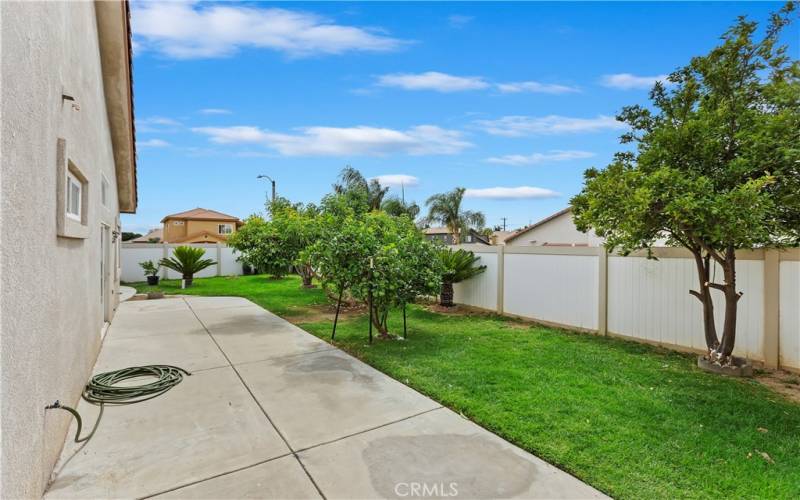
[(225, 228), (74, 197)]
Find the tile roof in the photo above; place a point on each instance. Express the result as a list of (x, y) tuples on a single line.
[(201, 214)]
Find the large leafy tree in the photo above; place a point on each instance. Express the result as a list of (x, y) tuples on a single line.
[(376, 258), (715, 168), (277, 245), (445, 209)]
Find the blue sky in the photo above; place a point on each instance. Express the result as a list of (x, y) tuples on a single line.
[(516, 96)]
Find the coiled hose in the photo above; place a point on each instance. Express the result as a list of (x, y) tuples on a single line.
[(103, 390)]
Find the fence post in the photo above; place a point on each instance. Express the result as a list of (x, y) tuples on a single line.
[(772, 286), (602, 293), (501, 265), (165, 254), (219, 259)]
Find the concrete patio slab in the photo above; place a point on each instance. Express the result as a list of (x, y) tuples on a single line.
[(205, 426), (239, 431), (198, 302), (322, 396), (248, 334), (129, 324), (165, 304), (191, 351), (280, 478), (126, 292), (436, 454)]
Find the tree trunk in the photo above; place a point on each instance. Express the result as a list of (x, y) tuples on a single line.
[(379, 321), (731, 303), (306, 273), (704, 295), (446, 297)]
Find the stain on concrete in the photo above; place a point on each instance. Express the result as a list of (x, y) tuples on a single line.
[(450, 465), (328, 369)]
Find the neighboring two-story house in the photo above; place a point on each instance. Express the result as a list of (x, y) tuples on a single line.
[(199, 225)]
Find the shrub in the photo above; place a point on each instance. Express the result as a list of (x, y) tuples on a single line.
[(187, 261)]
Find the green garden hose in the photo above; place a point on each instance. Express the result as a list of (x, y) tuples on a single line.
[(103, 390)]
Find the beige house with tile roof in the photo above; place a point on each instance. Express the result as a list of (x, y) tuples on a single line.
[(199, 225), (153, 236)]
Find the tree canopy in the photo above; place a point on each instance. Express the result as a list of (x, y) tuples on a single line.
[(715, 165), (445, 209)]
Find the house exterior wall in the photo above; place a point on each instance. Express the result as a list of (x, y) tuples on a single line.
[(50, 295), (558, 231), (174, 232)]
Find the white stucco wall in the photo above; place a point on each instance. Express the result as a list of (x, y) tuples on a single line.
[(50, 298), (558, 231)]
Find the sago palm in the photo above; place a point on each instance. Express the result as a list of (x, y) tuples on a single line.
[(445, 209), (187, 261), (458, 265)]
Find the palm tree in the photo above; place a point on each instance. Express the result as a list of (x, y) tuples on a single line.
[(445, 208), (187, 261), (459, 265), (351, 181), (397, 207)]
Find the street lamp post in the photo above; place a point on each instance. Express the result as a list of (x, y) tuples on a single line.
[(271, 181)]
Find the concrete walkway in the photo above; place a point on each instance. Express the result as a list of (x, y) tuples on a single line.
[(271, 411)]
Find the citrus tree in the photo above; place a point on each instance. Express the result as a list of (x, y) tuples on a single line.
[(378, 259), (716, 166)]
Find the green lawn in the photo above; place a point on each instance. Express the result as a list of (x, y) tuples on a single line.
[(632, 420)]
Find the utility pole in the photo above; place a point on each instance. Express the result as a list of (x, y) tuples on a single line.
[(504, 223), (271, 181)]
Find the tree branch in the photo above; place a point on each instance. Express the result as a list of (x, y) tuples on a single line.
[(716, 286), (696, 294)]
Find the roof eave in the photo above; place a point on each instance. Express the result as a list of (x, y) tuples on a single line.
[(114, 33)]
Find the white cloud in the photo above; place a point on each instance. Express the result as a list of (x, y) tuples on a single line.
[(536, 158), (432, 80), (397, 180), (519, 126), (233, 135), (459, 20), (214, 111), (186, 30), (511, 193), (152, 143), (344, 141), (535, 87), (157, 124), (627, 81)]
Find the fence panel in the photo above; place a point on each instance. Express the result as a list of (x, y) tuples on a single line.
[(789, 340), (556, 287), (650, 300), (480, 291), (133, 253), (229, 265)]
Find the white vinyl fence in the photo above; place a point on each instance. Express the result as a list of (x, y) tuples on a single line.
[(641, 299), (131, 254)]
